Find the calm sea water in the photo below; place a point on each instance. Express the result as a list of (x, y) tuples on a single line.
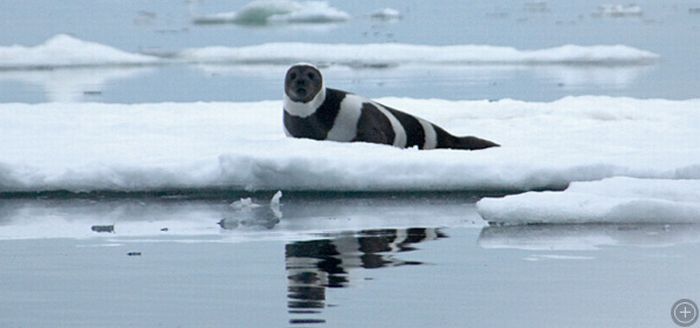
[(355, 261), (668, 28)]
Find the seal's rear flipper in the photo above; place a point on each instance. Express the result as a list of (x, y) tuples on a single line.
[(473, 143)]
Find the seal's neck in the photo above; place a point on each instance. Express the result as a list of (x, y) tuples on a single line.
[(304, 109)]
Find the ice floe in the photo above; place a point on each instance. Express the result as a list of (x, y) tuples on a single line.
[(66, 51), (394, 54), (267, 12), (616, 200), (241, 146)]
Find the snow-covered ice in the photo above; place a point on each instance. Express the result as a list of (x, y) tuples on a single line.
[(393, 54), (241, 146), (616, 200), (64, 51), (266, 12)]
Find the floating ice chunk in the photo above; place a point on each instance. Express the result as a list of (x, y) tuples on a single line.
[(613, 200), (252, 215), (66, 51), (244, 204), (318, 12), (253, 13), (275, 204), (265, 12), (386, 14), (618, 10)]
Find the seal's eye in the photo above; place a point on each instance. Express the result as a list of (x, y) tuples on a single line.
[(311, 76), (292, 76)]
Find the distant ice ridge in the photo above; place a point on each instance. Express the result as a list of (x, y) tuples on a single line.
[(618, 10), (386, 14), (394, 54), (613, 200), (241, 146), (266, 12), (66, 51)]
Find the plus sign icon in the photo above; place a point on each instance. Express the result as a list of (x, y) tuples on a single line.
[(684, 313)]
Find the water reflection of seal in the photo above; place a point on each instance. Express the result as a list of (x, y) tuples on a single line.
[(313, 111)]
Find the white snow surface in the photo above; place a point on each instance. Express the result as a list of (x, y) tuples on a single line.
[(64, 51), (266, 12), (616, 200), (241, 146)]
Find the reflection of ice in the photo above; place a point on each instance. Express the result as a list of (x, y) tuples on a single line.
[(74, 84), (566, 76), (572, 76), (587, 236)]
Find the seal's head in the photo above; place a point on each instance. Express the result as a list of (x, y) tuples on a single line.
[(302, 83)]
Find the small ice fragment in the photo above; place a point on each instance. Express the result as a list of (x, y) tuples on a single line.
[(386, 14), (275, 204), (244, 203), (617, 10), (103, 228), (537, 7)]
